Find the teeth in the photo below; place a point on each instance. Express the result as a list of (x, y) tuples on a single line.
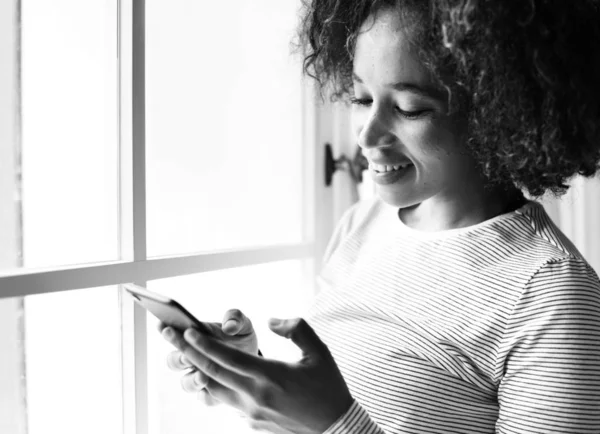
[(384, 168)]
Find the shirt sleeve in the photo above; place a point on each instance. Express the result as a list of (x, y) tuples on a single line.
[(356, 420), (550, 354)]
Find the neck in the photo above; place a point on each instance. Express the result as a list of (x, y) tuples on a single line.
[(467, 209)]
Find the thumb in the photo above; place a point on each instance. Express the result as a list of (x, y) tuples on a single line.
[(236, 323), (301, 334)]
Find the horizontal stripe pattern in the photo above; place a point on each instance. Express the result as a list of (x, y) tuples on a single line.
[(493, 328)]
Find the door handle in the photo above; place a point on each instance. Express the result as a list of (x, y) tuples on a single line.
[(354, 166)]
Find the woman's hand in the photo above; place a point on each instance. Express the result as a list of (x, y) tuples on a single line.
[(236, 331), (301, 398)]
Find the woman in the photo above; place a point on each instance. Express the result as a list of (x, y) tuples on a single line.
[(449, 303)]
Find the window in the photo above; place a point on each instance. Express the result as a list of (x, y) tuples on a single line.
[(170, 144), (157, 143)]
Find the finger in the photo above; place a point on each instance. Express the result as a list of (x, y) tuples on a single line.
[(222, 394), (229, 358), (194, 381), (301, 334), (213, 327), (177, 361), (236, 323), (207, 399), (211, 368)]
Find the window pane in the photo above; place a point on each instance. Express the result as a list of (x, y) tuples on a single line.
[(224, 125), (13, 414), (69, 137), (261, 292), (66, 349)]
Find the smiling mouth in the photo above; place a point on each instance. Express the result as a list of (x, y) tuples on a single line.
[(380, 168), (392, 174)]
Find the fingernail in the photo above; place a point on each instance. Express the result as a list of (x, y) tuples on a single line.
[(197, 378), (168, 332), (230, 323), (191, 334), (275, 322)]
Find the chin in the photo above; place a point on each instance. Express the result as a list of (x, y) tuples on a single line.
[(397, 198)]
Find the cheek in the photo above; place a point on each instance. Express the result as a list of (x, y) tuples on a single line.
[(426, 140), (357, 121), (437, 149), (443, 137)]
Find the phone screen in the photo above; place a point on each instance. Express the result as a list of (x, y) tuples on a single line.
[(167, 310)]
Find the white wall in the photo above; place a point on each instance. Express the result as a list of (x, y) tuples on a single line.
[(578, 216)]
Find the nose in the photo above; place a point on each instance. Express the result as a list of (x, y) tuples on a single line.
[(372, 129)]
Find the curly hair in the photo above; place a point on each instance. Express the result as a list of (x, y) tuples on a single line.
[(526, 75)]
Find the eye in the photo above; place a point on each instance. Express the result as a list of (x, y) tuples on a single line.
[(412, 114), (365, 102)]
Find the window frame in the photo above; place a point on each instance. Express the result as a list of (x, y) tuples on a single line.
[(134, 266), (323, 123), (13, 418)]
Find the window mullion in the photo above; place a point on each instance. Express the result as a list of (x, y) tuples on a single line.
[(132, 215), (322, 132), (315, 200), (139, 130), (139, 206), (33, 282)]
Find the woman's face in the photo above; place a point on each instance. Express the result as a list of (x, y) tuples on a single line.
[(401, 120)]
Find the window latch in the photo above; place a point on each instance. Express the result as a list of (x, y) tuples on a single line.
[(354, 166)]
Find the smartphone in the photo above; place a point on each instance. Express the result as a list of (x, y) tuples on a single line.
[(167, 310)]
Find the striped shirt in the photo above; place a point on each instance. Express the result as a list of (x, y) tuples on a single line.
[(490, 328)]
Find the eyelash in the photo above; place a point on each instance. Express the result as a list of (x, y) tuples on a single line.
[(408, 115)]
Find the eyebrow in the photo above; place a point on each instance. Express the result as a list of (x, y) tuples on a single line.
[(401, 86)]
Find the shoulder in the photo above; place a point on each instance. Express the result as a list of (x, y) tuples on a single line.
[(562, 294), (563, 279), (527, 243), (357, 217), (558, 266), (548, 358), (355, 224), (361, 213), (542, 234)]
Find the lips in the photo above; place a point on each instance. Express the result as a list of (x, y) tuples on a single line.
[(383, 168), (404, 162), (387, 165), (393, 172)]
